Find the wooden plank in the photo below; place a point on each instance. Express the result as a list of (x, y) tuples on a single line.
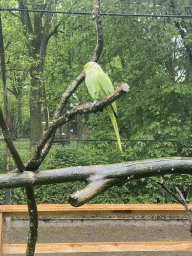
[(1, 234), (50, 210), (101, 247)]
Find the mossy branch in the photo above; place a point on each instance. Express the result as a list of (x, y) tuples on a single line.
[(98, 178)]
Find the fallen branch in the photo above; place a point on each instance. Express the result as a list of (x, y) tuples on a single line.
[(98, 178)]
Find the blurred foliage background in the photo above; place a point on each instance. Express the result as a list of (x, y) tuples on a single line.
[(152, 54)]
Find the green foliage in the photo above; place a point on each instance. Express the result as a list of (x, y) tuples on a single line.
[(2, 159), (152, 55), (84, 154), (25, 128)]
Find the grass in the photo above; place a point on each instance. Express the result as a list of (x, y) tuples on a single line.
[(22, 147)]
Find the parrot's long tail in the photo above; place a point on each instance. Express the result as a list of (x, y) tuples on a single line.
[(113, 120)]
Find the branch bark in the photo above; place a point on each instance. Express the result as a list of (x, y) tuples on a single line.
[(184, 203), (99, 45), (181, 200), (167, 189), (65, 97), (33, 217), (33, 221), (9, 142), (45, 143), (80, 109), (99, 178)]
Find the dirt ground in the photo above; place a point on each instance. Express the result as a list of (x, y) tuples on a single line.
[(105, 231)]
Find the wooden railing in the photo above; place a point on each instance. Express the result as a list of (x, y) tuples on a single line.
[(50, 210)]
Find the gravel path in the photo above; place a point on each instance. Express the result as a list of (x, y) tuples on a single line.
[(106, 231)]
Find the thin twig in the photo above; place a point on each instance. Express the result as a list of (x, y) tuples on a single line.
[(184, 203), (181, 200), (167, 189)]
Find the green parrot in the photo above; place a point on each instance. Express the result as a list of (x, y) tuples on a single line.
[(99, 86)]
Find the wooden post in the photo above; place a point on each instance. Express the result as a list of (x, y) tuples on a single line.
[(1, 234)]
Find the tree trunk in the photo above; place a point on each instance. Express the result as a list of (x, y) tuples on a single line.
[(35, 111), (40, 33), (3, 73)]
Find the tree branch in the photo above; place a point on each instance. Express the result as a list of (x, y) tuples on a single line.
[(25, 19), (96, 16), (98, 178), (167, 189), (9, 142), (32, 208), (14, 14), (65, 97), (181, 200), (81, 109), (33, 220), (53, 32), (45, 144), (184, 203)]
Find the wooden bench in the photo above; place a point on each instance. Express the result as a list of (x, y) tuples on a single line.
[(61, 141), (50, 210)]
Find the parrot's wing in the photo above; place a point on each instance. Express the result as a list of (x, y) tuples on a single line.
[(105, 82), (107, 87), (92, 84)]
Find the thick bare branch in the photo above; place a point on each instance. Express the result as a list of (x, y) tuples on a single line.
[(33, 217), (98, 178), (65, 97), (33, 221), (80, 109), (96, 16), (92, 190), (45, 144), (9, 142), (25, 19)]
